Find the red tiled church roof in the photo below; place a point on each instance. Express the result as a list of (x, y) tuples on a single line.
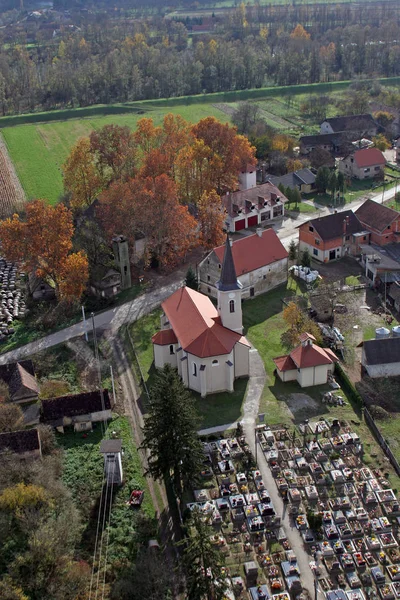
[(253, 252), (165, 337), (197, 325)]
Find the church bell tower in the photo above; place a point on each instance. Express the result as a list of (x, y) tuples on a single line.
[(229, 293)]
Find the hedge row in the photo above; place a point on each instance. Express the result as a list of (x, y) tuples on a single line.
[(146, 105), (347, 385)]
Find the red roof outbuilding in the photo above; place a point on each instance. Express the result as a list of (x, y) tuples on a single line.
[(305, 355)]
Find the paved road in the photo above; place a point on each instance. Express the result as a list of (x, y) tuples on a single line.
[(109, 319), (131, 311)]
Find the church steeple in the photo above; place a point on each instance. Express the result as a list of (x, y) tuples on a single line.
[(229, 293), (228, 280)]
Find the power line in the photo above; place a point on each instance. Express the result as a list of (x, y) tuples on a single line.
[(108, 533), (96, 540)]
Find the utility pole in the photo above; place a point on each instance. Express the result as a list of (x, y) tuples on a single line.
[(84, 323)]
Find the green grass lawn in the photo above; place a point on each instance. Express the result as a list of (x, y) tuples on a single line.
[(39, 143), (83, 475)]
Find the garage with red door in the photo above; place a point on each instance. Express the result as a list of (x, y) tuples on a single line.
[(251, 221), (240, 224)]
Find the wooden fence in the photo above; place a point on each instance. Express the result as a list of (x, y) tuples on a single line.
[(381, 440)]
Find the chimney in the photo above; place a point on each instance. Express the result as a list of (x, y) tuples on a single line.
[(344, 226), (259, 231), (231, 242)]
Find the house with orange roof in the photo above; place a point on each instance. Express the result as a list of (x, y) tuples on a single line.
[(260, 260), (363, 164), (308, 364), (203, 342)]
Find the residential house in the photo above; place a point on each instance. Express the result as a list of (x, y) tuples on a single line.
[(79, 410), (308, 364), (331, 237), (252, 207), (381, 358), (381, 263), (383, 222), (361, 125), (21, 381), (331, 142), (303, 180), (25, 443), (363, 164), (260, 261), (205, 344)]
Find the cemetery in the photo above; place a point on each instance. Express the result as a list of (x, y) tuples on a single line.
[(346, 514)]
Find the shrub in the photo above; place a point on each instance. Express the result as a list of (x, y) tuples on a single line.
[(378, 412), (347, 386)]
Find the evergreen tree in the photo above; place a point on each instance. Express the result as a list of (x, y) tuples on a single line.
[(333, 183), (170, 432), (322, 179), (191, 279), (296, 196), (306, 258), (282, 189), (341, 184), (204, 562), (292, 250), (289, 194)]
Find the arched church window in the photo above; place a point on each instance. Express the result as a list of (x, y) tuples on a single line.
[(231, 306)]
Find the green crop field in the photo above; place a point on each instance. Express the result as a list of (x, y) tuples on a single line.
[(39, 143), (38, 150)]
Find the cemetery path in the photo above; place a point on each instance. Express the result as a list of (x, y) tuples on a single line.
[(292, 534), (255, 386)]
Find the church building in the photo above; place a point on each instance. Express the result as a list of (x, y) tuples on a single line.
[(206, 344)]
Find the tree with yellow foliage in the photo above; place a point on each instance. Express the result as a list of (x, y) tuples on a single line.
[(81, 177), (298, 322), (299, 33)]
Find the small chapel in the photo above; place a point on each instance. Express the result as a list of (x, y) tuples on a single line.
[(206, 344)]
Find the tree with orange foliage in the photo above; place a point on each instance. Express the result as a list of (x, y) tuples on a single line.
[(114, 151), (119, 209), (230, 152), (211, 219), (43, 243), (81, 177), (194, 169), (147, 136), (150, 206), (299, 33), (175, 135), (74, 275)]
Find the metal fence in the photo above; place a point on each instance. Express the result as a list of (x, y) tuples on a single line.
[(381, 440)]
